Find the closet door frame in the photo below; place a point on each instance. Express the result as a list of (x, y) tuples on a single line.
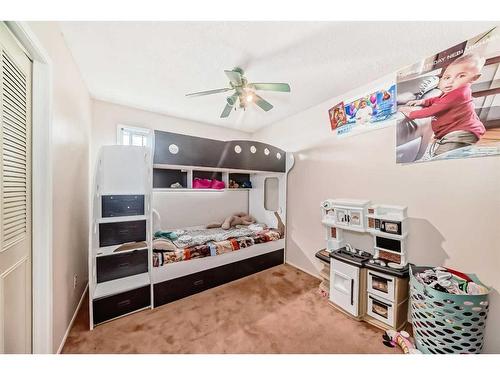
[(42, 324)]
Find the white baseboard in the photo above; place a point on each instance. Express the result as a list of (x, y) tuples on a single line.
[(304, 270), (72, 320)]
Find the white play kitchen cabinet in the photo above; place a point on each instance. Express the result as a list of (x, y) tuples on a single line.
[(344, 286)]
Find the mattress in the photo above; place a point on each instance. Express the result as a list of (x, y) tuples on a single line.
[(198, 242)]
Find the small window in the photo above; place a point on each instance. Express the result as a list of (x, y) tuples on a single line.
[(131, 136), (271, 194)]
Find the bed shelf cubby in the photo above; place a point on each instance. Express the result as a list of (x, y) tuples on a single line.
[(164, 178), (239, 178), (207, 174)]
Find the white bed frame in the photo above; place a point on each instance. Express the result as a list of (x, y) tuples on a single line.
[(178, 269)]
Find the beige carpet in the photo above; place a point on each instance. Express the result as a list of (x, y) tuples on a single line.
[(274, 311)]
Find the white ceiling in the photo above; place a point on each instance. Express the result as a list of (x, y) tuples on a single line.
[(152, 65)]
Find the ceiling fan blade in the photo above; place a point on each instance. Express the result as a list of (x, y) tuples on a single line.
[(264, 104), (227, 109), (234, 77), (208, 92), (282, 87)]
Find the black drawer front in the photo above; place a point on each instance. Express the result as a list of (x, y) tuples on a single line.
[(122, 205), (107, 308), (115, 266), (123, 232), (184, 286)]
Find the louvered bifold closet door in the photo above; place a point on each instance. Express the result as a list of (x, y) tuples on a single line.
[(15, 153), (15, 196)]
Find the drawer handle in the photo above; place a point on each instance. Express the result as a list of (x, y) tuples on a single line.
[(380, 302), (124, 303), (380, 277), (352, 292), (198, 282), (124, 265)]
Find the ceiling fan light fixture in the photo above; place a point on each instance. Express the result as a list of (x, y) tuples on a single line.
[(245, 93)]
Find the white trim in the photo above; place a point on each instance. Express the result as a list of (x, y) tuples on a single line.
[(65, 337), (303, 270), (42, 187)]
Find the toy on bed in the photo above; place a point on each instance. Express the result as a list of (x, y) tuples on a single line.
[(240, 218)]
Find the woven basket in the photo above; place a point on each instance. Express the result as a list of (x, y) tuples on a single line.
[(446, 323)]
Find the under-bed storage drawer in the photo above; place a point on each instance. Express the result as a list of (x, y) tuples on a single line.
[(107, 308), (122, 205), (115, 266), (122, 232), (184, 286)]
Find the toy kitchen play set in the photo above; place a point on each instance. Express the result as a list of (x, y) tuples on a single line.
[(368, 286)]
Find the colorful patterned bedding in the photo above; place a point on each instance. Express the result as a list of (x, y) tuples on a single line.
[(165, 251)]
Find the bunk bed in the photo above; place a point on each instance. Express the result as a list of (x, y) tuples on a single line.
[(156, 270)]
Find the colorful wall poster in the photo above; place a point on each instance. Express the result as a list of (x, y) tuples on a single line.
[(337, 116), (449, 103), (365, 113)]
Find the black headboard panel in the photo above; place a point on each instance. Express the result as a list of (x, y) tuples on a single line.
[(204, 152)]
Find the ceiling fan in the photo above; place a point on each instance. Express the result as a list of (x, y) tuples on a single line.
[(244, 92)]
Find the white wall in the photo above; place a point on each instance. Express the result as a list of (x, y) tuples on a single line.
[(71, 121), (453, 205), (106, 117)]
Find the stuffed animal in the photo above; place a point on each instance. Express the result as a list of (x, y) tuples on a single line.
[(240, 218), (281, 226)]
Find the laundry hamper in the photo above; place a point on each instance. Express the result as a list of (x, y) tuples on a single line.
[(446, 323)]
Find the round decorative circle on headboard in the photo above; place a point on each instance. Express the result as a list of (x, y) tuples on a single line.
[(253, 149), (278, 155), (174, 149), (237, 149), (266, 151)]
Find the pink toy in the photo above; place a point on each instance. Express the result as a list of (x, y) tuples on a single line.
[(403, 340), (217, 184), (201, 183)]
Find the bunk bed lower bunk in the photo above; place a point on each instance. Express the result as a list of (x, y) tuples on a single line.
[(201, 259)]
